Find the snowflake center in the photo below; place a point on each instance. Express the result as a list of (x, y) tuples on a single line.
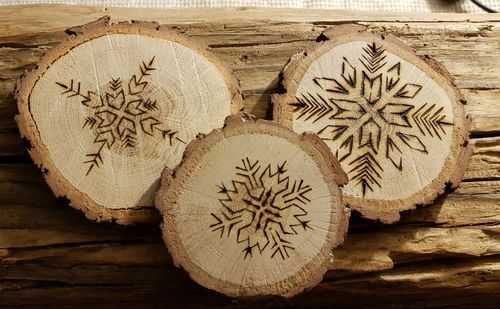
[(120, 112), (261, 208), (372, 110)]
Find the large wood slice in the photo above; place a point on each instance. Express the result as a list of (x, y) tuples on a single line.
[(106, 110), (395, 121), (254, 209)]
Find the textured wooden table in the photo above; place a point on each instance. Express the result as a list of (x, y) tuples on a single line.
[(443, 255)]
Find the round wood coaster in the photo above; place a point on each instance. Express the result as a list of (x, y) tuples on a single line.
[(106, 110), (254, 209), (395, 121)]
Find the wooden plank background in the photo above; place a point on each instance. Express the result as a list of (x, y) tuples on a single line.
[(446, 254)]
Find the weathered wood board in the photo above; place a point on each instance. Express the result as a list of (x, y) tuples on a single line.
[(447, 254)]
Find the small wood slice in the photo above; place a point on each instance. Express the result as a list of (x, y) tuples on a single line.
[(254, 209), (106, 110), (395, 121)]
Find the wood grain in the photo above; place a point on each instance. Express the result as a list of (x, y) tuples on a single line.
[(51, 255), (237, 242), (108, 160), (357, 99)]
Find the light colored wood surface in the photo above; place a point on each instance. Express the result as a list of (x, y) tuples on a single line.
[(107, 109), (449, 250), (394, 120), (254, 209)]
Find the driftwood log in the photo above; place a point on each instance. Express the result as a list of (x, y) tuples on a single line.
[(446, 254)]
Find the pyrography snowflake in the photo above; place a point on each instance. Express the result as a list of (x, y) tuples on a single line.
[(262, 209), (118, 112), (368, 108)]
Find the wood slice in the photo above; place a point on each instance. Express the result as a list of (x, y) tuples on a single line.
[(254, 209), (106, 110), (395, 121)]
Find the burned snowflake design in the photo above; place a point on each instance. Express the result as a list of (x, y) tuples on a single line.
[(262, 209), (119, 112), (368, 109)]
